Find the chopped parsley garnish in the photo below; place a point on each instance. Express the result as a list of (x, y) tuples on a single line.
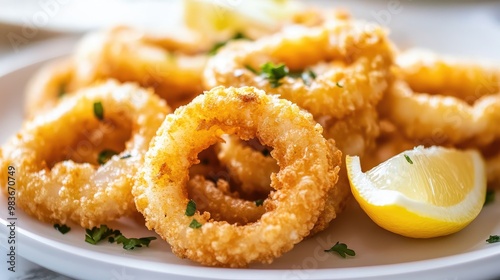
[(251, 69), (493, 239), (259, 202), (62, 228), (274, 73), (126, 156), (308, 76), (98, 110), (341, 249), (97, 234), (191, 208), (490, 197), (339, 85), (132, 243), (219, 45), (408, 159), (62, 90), (105, 156), (195, 224)]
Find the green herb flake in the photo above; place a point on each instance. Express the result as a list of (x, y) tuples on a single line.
[(62, 90), (132, 243), (339, 85), (218, 45), (259, 202), (308, 77), (490, 197), (342, 250), (98, 110), (216, 48), (62, 228), (126, 156), (274, 73), (97, 234), (493, 239), (105, 156), (195, 224), (251, 69), (408, 159), (190, 208)]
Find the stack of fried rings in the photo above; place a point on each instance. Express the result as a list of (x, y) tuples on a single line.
[(61, 179), (171, 65), (308, 171), (453, 102), (358, 58), (461, 100)]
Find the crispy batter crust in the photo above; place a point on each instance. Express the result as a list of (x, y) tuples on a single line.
[(308, 171)]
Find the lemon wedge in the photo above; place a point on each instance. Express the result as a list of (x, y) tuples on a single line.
[(421, 193), (220, 19)]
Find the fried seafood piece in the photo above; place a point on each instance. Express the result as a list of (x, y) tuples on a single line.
[(47, 87), (308, 171), (250, 168), (493, 170), (337, 68), (78, 161), (354, 134), (442, 120), (389, 143), (221, 203), (441, 100), (171, 65), (468, 80)]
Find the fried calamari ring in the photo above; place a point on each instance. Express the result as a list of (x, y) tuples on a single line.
[(171, 65), (250, 169), (425, 71), (308, 171), (442, 120), (493, 171), (221, 203), (243, 160), (47, 87), (355, 133), (358, 57), (78, 162)]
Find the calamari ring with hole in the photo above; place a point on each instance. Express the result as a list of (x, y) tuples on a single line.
[(48, 86), (253, 171), (249, 168), (78, 162), (217, 199), (425, 71), (308, 171), (358, 58), (172, 65), (442, 120)]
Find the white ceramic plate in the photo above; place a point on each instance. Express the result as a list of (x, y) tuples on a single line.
[(379, 254)]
